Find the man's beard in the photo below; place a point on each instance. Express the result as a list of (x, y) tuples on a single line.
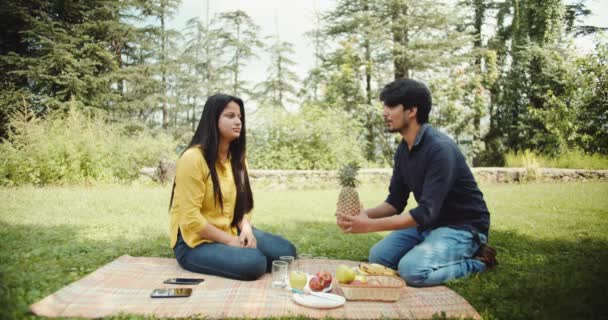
[(405, 125)]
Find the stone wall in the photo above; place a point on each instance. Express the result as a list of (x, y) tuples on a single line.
[(308, 179)]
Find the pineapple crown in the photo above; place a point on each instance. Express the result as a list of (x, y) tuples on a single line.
[(348, 174)]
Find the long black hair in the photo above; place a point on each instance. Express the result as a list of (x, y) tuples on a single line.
[(207, 138)]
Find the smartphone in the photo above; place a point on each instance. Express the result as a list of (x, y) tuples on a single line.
[(184, 281), (171, 293)]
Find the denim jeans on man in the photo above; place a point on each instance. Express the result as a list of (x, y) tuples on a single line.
[(430, 257), (232, 262)]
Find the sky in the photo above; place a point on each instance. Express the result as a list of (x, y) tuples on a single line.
[(293, 18)]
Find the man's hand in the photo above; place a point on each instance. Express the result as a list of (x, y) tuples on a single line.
[(246, 238), (360, 223)]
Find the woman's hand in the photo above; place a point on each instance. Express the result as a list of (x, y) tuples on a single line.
[(234, 242), (246, 238)]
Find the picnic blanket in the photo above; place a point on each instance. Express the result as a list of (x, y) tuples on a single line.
[(124, 286)]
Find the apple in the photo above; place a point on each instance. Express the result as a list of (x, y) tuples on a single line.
[(325, 278), (345, 274), (315, 284), (297, 279)]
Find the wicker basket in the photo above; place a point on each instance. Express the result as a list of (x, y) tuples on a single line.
[(377, 288)]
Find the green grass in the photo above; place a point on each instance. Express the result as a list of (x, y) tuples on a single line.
[(568, 160), (552, 241)]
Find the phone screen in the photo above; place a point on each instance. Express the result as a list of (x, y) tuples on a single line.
[(184, 281), (171, 293)]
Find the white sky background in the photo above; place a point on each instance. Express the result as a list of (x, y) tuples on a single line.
[(295, 17)]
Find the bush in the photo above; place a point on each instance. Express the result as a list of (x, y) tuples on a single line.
[(74, 148), (310, 139), (570, 160)]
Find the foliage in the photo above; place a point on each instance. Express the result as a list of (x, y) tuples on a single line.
[(544, 234), (591, 95), (573, 159), (238, 39), (76, 147), (504, 74), (313, 138), (542, 92), (380, 41), (279, 88), (59, 51)]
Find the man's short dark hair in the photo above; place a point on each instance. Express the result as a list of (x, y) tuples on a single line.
[(410, 93)]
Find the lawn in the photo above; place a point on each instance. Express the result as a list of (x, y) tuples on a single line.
[(552, 241)]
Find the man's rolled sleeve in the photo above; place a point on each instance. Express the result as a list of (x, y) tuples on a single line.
[(189, 193), (439, 179)]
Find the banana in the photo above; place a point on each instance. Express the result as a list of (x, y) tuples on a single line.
[(365, 273), (376, 269)]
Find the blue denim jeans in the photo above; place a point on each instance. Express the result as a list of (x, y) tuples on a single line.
[(232, 262), (430, 257)]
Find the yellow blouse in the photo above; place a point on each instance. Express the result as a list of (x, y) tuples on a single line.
[(194, 205)]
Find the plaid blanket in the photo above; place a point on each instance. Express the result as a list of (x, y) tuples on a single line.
[(124, 286)]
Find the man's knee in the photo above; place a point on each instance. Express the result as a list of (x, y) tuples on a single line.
[(413, 272), (377, 255)]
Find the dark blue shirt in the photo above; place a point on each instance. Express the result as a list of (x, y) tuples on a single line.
[(443, 185)]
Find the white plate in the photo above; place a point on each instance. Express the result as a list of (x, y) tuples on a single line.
[(307, 288), (319, 300)]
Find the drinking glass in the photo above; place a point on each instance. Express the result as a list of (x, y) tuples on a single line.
[(303, 262), (289, 260), (279, 274)]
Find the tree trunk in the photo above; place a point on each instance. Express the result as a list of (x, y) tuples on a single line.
[(480, 8), (400, 39), (163, 69)]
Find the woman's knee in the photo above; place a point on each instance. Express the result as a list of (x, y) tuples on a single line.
[(281, 247), (253, 267), (289, 248)]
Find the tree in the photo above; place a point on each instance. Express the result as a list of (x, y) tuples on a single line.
[(360, 23), (311, 88), (53, 51), (163, 10), (591, 97), (201, 57), (426, 35), (278, 89), (239, 38)]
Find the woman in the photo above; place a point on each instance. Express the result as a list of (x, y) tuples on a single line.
[(211, 201)]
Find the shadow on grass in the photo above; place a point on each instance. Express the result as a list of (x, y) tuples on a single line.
[(35, 261), (541, 279)]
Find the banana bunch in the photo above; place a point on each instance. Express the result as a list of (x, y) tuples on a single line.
[(374, 269)]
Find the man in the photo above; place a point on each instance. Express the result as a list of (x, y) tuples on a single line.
[(445, 236)]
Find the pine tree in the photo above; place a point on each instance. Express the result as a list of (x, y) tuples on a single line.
[(239, 38), (279, 87), (202, 58)]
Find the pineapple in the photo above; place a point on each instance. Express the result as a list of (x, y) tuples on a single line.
[(348, 201)]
